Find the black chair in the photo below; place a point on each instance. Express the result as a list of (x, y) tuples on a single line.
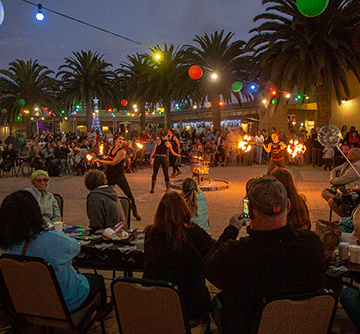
[(126, 205), (35, 295), (147, 306), (301, 314), (60, 201)]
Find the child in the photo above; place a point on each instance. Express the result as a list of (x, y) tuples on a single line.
[(329, 156)]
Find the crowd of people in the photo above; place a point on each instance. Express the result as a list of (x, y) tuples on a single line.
[(60, 153), (280, 256)]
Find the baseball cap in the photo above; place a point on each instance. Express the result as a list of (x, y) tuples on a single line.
[(268, 195)]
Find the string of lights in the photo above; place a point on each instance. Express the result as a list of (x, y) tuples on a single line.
[(40, 7)]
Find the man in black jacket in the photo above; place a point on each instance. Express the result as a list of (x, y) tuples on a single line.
[(274, 260)]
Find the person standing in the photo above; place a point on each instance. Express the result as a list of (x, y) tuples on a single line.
[(115, 171), (160, 153), (175, 144), (259, 141), (276, 149), (21, 141)]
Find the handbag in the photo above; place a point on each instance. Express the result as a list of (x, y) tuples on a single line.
[(330, 235)]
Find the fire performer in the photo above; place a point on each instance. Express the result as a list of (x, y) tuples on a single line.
[(115, 171), (172, 158), (276, 150), (161, 153)]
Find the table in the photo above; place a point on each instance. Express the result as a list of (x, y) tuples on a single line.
[(340, 269), (98, 254)]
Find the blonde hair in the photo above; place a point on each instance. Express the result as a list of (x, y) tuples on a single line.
[(189, 189)]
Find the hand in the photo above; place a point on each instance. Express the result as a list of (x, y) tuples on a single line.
[(237, 221)]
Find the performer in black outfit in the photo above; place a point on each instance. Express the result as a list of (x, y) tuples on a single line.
[(175, 144), (276, 148), (115, 171), (161, 152)]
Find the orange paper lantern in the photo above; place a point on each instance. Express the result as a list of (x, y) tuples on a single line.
[(195, 72)]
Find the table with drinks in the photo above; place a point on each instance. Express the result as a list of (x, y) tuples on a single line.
[(107, 253), (347, 261)]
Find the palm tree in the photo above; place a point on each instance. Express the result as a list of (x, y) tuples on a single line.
[(164, 78), (133, 83), (84, 77), (30, 82), (227, 59), (296, 52)]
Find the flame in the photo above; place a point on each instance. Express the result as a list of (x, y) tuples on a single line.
[(245, 145), (139, 145), (89, 157), (101, 149), (295, 147), (202, 170)]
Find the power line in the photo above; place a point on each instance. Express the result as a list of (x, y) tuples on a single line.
[(87, 24)]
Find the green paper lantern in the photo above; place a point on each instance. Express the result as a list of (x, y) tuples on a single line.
[(236, 86), (274, 101), (21, 102), (311, 8), (122, 113)]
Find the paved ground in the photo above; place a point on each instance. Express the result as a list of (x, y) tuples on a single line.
[(221, 206)]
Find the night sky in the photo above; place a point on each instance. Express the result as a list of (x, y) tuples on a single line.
[(149, 22)]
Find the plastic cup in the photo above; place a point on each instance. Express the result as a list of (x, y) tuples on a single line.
[(355, 254), (58, 226), (344, 250), (110, 234), (352, 240)]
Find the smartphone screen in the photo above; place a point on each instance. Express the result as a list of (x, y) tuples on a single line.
[(245, 208)]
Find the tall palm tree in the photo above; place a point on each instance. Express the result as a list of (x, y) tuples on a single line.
[(228, 59), (30, 82), (84, 77), (164, 78), (132, 82), (296, 52)]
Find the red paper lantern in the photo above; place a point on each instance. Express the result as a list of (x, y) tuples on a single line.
[(195, 72), (124, 102), (4, 111)]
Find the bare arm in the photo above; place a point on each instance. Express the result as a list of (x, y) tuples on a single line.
[(267, 148), (121, 155), (168, 145), (283, 146)]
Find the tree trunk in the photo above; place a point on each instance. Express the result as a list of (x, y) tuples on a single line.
[(323, 103), (216, 115), (167, 116), (142, 117), (89, 115)]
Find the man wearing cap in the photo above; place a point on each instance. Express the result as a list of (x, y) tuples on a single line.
[(273, 260)]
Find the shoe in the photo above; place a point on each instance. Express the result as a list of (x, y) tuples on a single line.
[(178, 173), (61, 175), (172, 175)]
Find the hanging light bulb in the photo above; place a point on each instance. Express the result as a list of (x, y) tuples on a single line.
[(39, 15)]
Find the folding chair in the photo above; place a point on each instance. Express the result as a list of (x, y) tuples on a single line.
[(147, 306), (126, 204), (300, 314), (60, 201), (35, 295)]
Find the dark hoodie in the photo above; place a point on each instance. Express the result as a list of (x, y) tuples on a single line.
[(103, 208)]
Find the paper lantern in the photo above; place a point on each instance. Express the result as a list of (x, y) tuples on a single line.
[(207, 104), (274, 101), (124, 102), (311, 8), (195, 72), (4, 111), (236, 86), (21, 102)]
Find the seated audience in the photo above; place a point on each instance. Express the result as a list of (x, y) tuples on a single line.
[(36, 158), (9, 157), (174, 251), (22, 232), (350, 301), (48, 204), (102, 203), (343, 177), (274, 260), (298, 216), (197, 203)]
